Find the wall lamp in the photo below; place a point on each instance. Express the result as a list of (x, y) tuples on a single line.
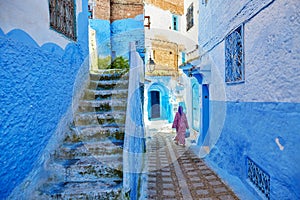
[(151, 65)]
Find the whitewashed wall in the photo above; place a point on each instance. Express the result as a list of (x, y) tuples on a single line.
[(271, 44), (160, 19), (12, 17), (262, 113), (193, 32)]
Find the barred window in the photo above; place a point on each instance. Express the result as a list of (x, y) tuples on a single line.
[(234, 56), (175, 23), (190, 17), (63, 18)]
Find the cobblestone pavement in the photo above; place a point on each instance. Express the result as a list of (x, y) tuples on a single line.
[(174, 172)]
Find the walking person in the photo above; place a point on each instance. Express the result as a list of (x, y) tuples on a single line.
[(180, 123)]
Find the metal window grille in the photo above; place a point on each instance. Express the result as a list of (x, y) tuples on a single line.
[(62, 17), (234, 56), (258, 177), (175, 23), (190, 17)]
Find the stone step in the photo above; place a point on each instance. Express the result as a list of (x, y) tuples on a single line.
[(109, 84), (95, 148), (100, 118), (110, 188), (105, 94), (108, 76), (101, 105), (112, 132), (88, 168), (88, 164)]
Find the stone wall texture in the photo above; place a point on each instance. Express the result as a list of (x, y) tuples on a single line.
[(118, 9), (174, 6), (102, 9)]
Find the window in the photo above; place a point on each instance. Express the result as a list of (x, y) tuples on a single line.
[(190, 17), (234, 57), (62, 17), (175, 22), (183, 57), (90, 10)]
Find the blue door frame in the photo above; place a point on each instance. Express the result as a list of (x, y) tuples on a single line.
[(195, 106), (164, 106), (205, 115)]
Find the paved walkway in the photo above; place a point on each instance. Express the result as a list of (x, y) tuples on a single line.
[(176, 173)]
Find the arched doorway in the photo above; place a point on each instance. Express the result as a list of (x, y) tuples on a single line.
[(158, 102), (155, 104)]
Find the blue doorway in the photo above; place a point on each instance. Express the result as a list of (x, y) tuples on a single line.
[(158, 102), (155, 104), (205, 116), (195, 107)]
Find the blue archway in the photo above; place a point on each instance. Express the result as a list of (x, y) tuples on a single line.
[(158, 102)]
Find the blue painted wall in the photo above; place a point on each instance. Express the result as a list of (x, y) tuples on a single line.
[(117, 35), (102, 28), (263, 109), (250, 131), (36, 90), (127, 30)]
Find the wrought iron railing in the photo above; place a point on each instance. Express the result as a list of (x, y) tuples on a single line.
[(234, 56), (258, 177)]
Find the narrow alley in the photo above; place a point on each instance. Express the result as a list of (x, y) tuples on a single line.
[(175, 172), (89, 91)]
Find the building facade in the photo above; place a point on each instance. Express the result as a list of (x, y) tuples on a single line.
[(247, 77), (43, 46), (115, 24), (168, 44)]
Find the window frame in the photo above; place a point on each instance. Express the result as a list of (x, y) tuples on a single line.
[(60, 21), (190, 17), (175, 19), (234, 56)]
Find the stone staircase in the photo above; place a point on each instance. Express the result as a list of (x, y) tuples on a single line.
[(88, 165)]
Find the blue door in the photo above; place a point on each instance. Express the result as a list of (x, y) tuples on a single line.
[(155, 104), (205, 113)]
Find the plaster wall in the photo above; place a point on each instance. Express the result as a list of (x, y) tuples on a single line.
[(33, 18), (192, 33), (125, 31), (217, 18), (37, 82), (262, 114), (168, 84), (163, 28), (116, 36), (156, 15)]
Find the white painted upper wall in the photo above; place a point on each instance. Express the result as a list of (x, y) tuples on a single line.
[(271, 51), (32, 16), (160, 19), (217, 18), (161, 25), (192, 33)]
